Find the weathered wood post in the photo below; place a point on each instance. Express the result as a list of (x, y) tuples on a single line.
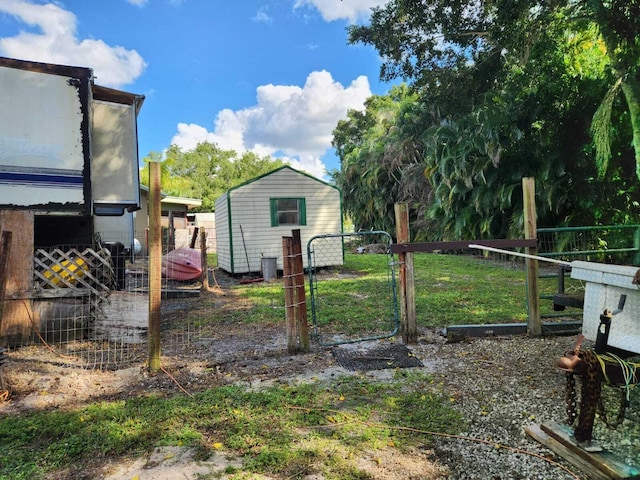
[(287, 278), (534, 326), (299, 293), (203, 258), (18, 319), (408, 324), (155, 265), (5, 251)]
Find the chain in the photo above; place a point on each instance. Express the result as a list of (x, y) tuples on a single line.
[(570, 398), (570, 394)]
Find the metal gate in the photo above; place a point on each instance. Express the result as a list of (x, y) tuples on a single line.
[(352, 287)]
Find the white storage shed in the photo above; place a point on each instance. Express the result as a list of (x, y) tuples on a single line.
[(252, 218)]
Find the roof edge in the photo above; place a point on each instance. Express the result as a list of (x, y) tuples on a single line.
[(289, 167)]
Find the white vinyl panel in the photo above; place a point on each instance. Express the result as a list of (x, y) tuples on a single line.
[(222, 233)]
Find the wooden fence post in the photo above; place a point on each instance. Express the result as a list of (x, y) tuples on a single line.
[(203, 258), (5, 252), (155, 266), (287, 278), (300, 296), (408, 322), (534, 326)]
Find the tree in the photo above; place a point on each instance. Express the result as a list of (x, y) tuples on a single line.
[(432, 41), (207, 171), (511, 87), (618, 22), (380, 152)]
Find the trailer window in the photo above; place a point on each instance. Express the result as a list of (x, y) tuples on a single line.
[(288, 211)]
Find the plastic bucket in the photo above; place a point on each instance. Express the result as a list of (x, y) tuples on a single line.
[(269, 268)]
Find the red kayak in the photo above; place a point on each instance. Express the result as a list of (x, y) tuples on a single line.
[(182, 264)]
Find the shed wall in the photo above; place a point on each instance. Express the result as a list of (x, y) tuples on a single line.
[(253, 236), (222, 233)]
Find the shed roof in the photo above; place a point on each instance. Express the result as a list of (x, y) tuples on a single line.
[(285, 167)]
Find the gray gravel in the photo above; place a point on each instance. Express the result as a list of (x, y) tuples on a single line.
[(502, 385)]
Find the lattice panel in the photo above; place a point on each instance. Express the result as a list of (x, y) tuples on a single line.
[(72, 268)]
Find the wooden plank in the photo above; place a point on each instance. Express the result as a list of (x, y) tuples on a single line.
[(605, 462), (20, 266), (430, 247), (17, 318), (204, 278), (563, 451)]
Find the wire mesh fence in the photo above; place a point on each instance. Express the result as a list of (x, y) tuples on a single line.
[(371, 307), (92, 307), (618, 244)]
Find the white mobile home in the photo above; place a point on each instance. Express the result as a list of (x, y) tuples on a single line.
[(252, 218), (68, 174), (68, 153)]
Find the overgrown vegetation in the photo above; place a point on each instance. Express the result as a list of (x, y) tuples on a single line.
[(498, 90), (285, 430)]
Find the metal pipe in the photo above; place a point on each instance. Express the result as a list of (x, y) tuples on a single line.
[(517, 254)]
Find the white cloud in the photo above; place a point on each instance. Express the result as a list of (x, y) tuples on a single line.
[(56, 42), (262, 16), (351, 10), (290, 122), (137, 3)]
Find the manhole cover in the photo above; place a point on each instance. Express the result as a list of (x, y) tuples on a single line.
[(391, 356)]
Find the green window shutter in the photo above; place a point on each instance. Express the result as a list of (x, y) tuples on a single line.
[(303, 211), (274, 211)]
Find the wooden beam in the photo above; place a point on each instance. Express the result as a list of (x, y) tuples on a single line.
[(530, 227), (408, 323), (597, 465), (203, 257)]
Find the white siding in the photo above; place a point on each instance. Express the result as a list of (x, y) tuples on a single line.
[(222, 233), (40, 137), (251, 219)]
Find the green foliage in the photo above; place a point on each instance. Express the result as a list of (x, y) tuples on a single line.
[(380, 153), (206, 172), (499, 91)]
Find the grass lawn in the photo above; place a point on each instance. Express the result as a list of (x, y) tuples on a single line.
[(281, 431), (450, 290)]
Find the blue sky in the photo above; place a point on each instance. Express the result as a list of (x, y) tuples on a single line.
[(270, 76)]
